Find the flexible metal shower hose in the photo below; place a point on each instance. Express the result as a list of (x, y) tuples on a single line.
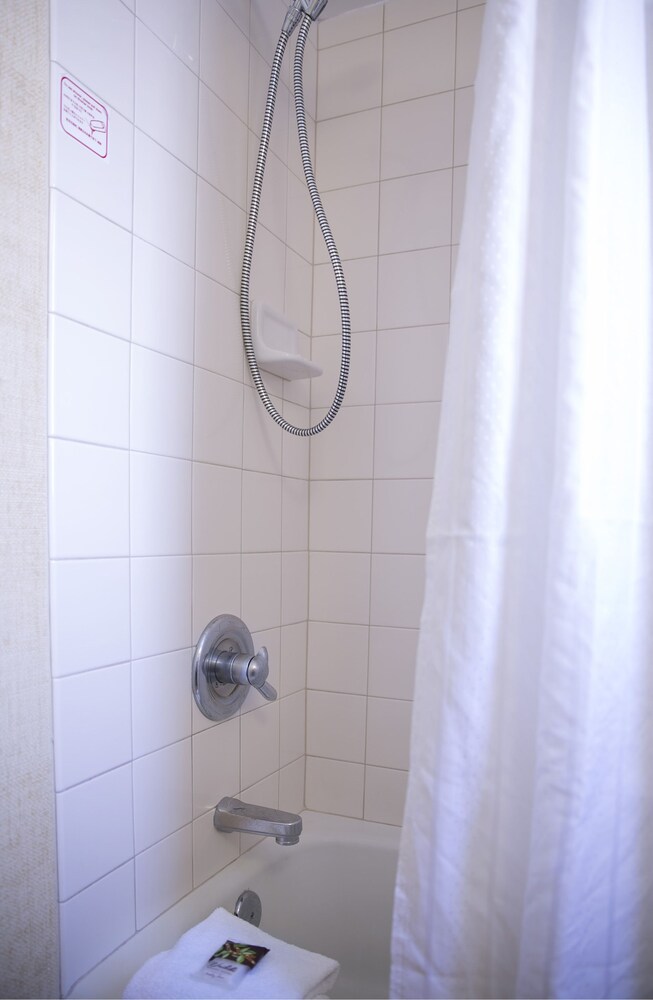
[(324, 227)]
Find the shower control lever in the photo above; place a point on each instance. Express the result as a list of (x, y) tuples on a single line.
[(225, 667), (240, 668)]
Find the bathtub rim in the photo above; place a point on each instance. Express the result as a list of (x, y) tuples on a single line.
[(109, 978)]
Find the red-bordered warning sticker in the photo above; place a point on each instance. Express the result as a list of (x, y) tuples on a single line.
[(84, 118)]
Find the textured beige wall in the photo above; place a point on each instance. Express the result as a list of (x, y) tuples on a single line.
[(29, 964)]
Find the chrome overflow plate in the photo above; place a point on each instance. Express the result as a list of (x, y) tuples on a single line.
[(248, 907), (225, 667)]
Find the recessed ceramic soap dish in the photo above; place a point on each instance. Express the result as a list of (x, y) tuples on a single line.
[(276, 345)]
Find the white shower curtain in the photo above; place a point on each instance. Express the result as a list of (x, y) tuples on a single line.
[(526, 862)]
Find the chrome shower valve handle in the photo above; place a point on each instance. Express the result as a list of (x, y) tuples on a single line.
[(225, 667)]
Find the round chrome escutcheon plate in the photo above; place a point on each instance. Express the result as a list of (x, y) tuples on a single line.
[(226, 633)]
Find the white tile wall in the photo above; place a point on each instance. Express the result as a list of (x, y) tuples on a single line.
[(391, 157), (173, 496), (172, 500)]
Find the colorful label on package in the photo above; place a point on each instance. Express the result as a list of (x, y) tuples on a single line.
[(231, 962)]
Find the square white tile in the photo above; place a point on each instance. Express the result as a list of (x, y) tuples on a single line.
[(294, 587), (90, 267), (337, 657), (393, 655), (339, 587), (415, 212), (353, 214), (216, 765), (397, 590), (218, 337), (341, 516), (269, 271), (164, 199), (361, 281), (89, 614), (160, 511), (160, 605), (222, 151), (459, 185), (163, 293), (88, 384), (212, 850), (346, 452), (335, 725), (401, 508), (281, 136), (261, 512), (273, 208), (295, 451), (388, 732), (220, 236), (327, 353), (468, 43), (216, 589), (410, 11), (259, 743), (224, 57), (299, 231), (294, 515), (298, 304), (96, 43), (164, 874), (177, 24), (385, 794), (162, 794), (410, 364), (89, 501), (88, 741), (335, 786), (262, 437), (405, 440), (349, 77), (95, 922), (464, 109), (414, 288), (406, 146), (292, 779), (418, 59), (360, 135), (161, 701), (262, 590), (94, 829), (292, 727), (293, 658), (218, 419), (350, 25), (216, 509), (161, 404)]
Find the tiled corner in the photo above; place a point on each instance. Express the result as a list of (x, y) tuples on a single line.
[(174, 496)]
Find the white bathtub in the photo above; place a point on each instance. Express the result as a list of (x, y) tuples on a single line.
[(332, 893)]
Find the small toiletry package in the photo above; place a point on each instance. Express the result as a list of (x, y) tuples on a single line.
[(230, 963)]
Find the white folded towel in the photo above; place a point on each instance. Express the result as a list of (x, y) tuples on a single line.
[(285, 972)]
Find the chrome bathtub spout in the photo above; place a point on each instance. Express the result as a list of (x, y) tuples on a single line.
[(233, 815)]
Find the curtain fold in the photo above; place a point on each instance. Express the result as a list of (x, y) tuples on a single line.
[(526, 861)]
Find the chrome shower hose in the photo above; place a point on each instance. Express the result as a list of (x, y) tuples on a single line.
[(266, 130)]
